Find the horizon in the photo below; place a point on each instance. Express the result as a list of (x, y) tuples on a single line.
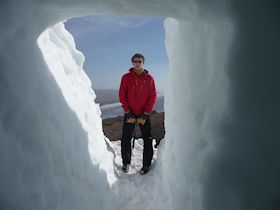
[(113, 41)]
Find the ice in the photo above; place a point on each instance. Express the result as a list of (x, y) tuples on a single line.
[(221, 108)]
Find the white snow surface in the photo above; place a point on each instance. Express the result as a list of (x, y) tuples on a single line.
[(221, 149), (111, 110), (134, 188)]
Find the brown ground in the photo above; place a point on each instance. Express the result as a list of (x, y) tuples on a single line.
[(112, 127)]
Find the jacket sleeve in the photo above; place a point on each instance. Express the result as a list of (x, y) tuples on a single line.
[(152, 96), (123, 94)]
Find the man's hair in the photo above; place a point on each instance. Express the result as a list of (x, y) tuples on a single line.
[(138, 55)]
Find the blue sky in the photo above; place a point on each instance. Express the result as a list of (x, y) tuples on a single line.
[(109, 42)]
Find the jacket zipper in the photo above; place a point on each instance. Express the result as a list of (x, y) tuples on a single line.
[(134, 87)]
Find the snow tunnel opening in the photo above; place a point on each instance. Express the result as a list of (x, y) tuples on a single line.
[(116, 38), (58, 42)]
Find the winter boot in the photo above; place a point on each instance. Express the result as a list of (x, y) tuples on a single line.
[(125, 167), (145, 169)]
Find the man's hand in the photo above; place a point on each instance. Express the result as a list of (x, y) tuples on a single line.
[(142, 119), (130, 118)]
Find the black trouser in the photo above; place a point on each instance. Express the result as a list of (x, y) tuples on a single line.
[(127, 133)]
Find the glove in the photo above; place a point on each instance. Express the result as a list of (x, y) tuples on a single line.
[(130, 118), (142, 119)]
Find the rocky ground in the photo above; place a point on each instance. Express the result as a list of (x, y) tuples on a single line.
[(112, 127)]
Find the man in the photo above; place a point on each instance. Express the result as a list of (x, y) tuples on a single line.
[(137, 95)]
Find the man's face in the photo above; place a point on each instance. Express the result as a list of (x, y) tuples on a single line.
[(138, 63)]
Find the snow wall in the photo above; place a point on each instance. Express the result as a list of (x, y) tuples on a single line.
[(222, 108)]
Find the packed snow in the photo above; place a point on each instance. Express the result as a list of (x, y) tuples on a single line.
[(134, 187), (221, 149)]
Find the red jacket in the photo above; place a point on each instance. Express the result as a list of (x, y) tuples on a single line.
[(137, 93)]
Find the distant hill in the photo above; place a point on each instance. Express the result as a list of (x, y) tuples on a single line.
[(112, 127), (159, 106), (104, 96)]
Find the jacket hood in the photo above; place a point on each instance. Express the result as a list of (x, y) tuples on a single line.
[(145, 73)]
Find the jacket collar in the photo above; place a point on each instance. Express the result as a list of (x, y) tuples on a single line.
[(145, 72)]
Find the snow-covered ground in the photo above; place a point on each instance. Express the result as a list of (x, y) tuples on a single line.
[(134, 188)]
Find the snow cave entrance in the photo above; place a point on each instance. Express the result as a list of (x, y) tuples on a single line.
[(101, 39), (83, 59)]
